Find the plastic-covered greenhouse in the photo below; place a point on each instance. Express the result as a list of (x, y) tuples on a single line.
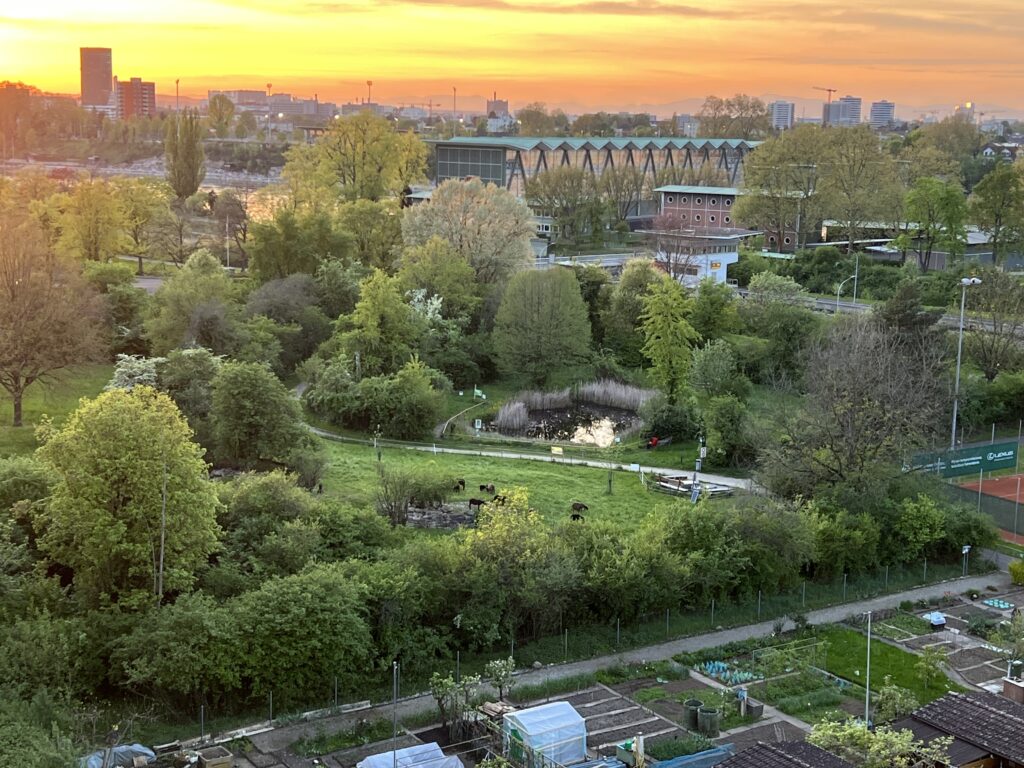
[(420, 756), (549, 734)]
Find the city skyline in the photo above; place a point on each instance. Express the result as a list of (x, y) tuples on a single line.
[(569, 53)]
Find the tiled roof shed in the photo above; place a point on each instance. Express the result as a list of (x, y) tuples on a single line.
[(787, 754), (987, 720)]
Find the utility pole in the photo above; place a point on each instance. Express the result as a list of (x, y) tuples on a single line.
[(867, 680), (177, 104), (227, 241), (369, 86)]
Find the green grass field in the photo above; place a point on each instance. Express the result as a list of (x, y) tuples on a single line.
[(847, 658), (352, 476), (57, 402)]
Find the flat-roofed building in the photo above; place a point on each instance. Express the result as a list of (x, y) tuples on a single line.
[(97, 72), (782, 114), (511, 161), (883, 115), (135, 98)]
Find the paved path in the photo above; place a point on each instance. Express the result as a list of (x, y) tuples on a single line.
[(280, 738)]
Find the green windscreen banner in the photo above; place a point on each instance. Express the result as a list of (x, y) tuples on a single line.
[(967, 461)]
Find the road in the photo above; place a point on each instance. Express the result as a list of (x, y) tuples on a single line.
[(280, 738)]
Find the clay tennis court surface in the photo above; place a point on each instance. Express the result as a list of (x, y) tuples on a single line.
[(1003, 488)]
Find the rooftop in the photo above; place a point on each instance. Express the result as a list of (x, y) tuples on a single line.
[(986, 720), (719, 233), (529, 143), (683, 189), (787, 754)]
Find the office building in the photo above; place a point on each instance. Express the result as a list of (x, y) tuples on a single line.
[(135, 98), (97, 73), (883, 114), (849, 110), (831, 112), (782, 114)]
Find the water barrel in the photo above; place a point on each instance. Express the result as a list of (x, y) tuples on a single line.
[(692, 706), (708, 719), (755, 709)]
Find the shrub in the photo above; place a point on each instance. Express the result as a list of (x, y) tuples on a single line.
[(1017, 572), (666, 420), (679, 746)]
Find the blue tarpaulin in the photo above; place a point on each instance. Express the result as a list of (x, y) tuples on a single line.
[(706, 759), (121, 757)]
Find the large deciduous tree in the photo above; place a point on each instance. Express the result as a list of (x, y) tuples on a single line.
[(737, 117), (296, 241), (92, 222), (185, 161), (541, 327), (376, 228), (358, 157), (937, 212), (488, 226), (220, 111), (997, 207), (883, 747), (50, 319), (107, 520), (621, 321), (622, 189), (383, 330), (570, 196), (999, 300), (144, 204)]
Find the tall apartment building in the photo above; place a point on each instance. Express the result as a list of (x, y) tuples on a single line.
[(782, 114), (831, 113), (135, 98), (97, 72), (883, 114)]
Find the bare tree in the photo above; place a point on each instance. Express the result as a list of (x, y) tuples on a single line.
[(999, 300), (872, 397), (49, 317), (675, 244)]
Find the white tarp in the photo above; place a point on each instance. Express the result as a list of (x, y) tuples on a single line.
[(420, 756), (555, 731)]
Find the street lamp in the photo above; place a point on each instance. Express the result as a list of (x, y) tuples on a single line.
[(839, 290), (967, 556), (965, 283), (867, 681)]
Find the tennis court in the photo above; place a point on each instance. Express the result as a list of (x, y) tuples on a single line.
[(1009, 491)]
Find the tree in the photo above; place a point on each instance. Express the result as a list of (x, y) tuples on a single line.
[(486, 225), (738, 117), (714, 371), (882, 747), (296, 241), (905, 315), (501, 673), (49, 319), (437, 268), (1009, 637), (675, 249), (714, 310), (938, 212), (376, 229), (194, 308), (232, 211), (570, 196), (893, 702), (871, 399), (623, 189), (246, 125), (107, 520), (541, 327), (668, 335), (253, 415), (360, 157), (187, 375), (382, 330), (143, 202), (535, 120), (999, 301), (220, 111), (768, 288), (185, 161), (858, 180), (92, 222), (929, 667), (621, 320), (997, 207)]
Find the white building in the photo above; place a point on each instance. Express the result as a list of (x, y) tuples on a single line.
[(849, 110), (782, 114), (883, 114)]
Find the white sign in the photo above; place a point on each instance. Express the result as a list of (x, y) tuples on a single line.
[(478, 424), (703, 451)]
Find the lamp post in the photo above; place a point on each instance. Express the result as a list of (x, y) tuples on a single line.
[(839, 290), (856, 273), (965, 283), (967, 556), (867, 676)]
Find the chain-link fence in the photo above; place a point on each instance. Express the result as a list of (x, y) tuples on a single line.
[(1005, 513)]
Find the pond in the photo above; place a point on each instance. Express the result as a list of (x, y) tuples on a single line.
[(581, 424)]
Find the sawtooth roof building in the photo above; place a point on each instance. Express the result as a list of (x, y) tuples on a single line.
[(510, 161)]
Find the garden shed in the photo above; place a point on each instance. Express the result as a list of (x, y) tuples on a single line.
[(419, 756), (555, 733)]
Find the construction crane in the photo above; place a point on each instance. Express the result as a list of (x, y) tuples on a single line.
[(830, 91)]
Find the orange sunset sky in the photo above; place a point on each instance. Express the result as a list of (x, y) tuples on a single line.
[(579, 54)]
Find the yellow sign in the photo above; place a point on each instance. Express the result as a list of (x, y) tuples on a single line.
[(716, 265), (556, 450)]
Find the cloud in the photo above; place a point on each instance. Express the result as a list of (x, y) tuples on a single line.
[(595, 7)]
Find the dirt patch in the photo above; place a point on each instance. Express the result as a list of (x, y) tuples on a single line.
[(673, 710), (980, 675), (678, 686), (852, 707), (971, 657), (967, 612), (928, 641), (630, 687)]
